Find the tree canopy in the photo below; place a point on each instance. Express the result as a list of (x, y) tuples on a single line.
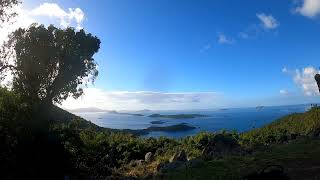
[(50, 63)]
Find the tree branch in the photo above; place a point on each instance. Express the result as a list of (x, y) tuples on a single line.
[(7, 66)]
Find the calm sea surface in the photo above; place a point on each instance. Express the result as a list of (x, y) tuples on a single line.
[(240, 119)]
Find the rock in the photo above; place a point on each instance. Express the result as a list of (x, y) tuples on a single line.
[(196, 162), (148, 157), (179, 156)]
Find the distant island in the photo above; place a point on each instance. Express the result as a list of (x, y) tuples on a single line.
[(259, 107), (157, 122), (93, 109), (172, 128), (122, 113), (143, 111), (178, 116)]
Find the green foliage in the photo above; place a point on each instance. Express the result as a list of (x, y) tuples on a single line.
[(98, 152), (299, 159), (50, 63), (286, 128), (24, 145)]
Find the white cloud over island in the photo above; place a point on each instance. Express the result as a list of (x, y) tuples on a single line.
[(137, 100)]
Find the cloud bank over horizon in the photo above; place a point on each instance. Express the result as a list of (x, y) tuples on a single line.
[(124, 100)]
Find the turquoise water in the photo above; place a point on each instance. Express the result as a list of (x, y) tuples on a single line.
[(240, 119)]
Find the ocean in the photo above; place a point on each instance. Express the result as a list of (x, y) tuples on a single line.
[(239, 119)]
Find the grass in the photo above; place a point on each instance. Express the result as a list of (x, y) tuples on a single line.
[(300, 159)]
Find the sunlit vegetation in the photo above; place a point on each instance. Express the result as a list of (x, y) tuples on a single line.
[(285, 129), (91, 151)]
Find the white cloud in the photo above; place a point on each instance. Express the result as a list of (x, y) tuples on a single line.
[(223, 39), (251, 31), (53, 10), (22, 20), (284, 92), (46, 13), (206, 47), (284, 70), (123, 100), (304, 78), (309, 8), (268, 21)]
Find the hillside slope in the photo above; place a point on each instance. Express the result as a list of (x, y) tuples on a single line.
[(286, 128), (78, 148), (292, 142)]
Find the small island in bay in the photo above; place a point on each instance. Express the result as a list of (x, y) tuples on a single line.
[(172, 128), (259, 107), (157, 122), (178, 116)]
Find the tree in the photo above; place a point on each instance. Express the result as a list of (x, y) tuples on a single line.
[(50, 63), (317, 78), (5, 10), (6, 14)]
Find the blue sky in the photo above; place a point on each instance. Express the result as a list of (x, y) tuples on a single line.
[(197, 54)]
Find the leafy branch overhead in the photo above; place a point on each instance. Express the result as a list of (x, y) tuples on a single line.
[(50, 63)]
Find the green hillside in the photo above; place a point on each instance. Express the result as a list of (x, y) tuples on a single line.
[(71, 146), (286, 128)]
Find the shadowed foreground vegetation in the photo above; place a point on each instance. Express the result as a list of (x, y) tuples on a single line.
[(69, 146)]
